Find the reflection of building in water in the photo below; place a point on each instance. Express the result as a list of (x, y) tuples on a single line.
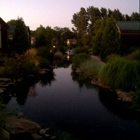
[(32, 92)]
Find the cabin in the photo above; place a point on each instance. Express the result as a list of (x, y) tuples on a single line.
[(3, 35), (130, 33)]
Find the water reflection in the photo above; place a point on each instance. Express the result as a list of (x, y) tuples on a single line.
[(27, 88)]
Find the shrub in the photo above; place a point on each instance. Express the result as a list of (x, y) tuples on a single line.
[(136, 99), (81, 50), (44, 63), (91, 68), (58, 56), (134, 55), (30, 54), (78, 59), (120, 73)]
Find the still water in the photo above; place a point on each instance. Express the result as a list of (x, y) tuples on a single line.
[(65, 103)]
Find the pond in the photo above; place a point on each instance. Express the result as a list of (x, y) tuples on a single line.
[(66, 103)]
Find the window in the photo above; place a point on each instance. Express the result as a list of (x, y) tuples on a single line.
[(10, 37)]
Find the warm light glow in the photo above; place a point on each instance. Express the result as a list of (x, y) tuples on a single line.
[(53, 46)]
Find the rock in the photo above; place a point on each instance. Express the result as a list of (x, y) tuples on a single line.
[(5, 135), (53, 137), (124, 96), (46, 135), (1, 90), (20, 115), (5, 80), (18, 126), (36, 136), (47, 129), (42, 131)]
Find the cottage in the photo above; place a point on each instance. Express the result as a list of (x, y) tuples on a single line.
[(3, 35), (130, 33)]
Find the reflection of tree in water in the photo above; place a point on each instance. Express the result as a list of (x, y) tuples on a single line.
[(119, 108), (47, 78), (82, 81), (20, 91)]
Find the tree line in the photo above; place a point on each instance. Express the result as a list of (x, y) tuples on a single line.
[(96, 29)]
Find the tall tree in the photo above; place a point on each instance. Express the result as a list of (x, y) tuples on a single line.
[(110, 42), (80, 21), (135, 16), (20, 37)]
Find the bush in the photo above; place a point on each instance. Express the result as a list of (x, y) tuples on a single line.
[(120, 73), (78, 59), (91, 68), (58, 56), (44, 63), (134, 55), (136, 99), (81, 50)]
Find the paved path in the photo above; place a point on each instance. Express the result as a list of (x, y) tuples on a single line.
[(97, 58)]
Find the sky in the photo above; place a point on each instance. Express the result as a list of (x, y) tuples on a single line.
[(57, 12)]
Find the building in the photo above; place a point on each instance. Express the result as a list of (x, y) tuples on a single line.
[(11, 32), (71, 42), (130, 33), (3, 35)]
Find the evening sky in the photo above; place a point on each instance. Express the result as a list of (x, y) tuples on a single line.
[(57, 12)]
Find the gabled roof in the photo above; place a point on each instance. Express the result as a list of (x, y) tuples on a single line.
[(128, 25), (3, 23)]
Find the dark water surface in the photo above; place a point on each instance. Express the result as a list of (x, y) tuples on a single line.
[(65, 103)]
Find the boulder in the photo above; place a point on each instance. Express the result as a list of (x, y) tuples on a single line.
[(42, 131), (36, 136), (5, 135), (19, 126)]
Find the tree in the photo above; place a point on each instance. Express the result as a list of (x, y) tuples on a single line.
[(106, 40), (110, 42), (41, 39), (135, 16), (20, 37), (80, 21)]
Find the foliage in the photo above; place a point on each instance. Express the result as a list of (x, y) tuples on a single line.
[(21, 65), (136, 99), (78, 59), (119, 73), (81, 50), (20, 37), (134, 55), (44, 63), (44, 52), (58, 56), (91, 68), (106, 39)]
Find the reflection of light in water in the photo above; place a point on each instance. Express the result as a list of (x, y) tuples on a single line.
[(32, 92), (68, 57)]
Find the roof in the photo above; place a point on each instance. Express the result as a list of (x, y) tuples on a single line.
[(12, 28), (3, 23), (129, 25)]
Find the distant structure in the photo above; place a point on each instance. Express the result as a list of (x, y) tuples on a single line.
[(130, 33), (72, 42)]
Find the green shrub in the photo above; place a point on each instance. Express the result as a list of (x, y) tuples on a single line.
[(81, 50), (78, 59), (44, 63), (120, 73), (58, 56), (136, 99), (134, 55), (91, 68)]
